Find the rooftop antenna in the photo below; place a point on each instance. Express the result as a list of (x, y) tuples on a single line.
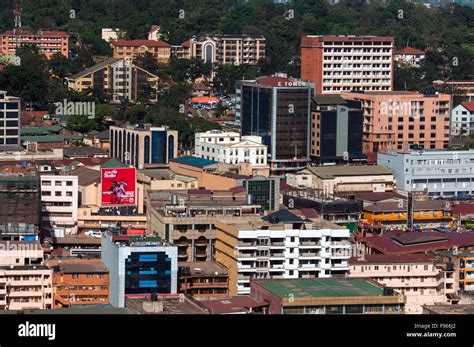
[(17, 12)]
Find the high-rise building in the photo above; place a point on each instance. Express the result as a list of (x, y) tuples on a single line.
[(48, 42), (336, 129), (403, 120), (278, 109), (9, 119), (345, 63), (139, 265), (142, 145)]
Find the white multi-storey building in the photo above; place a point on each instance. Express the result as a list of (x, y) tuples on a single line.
[(9, 119), (25, 282), (440, 173), (281, 245), (59, 201), (462, 119), (230, 148)]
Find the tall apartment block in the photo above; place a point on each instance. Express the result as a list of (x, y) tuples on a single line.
[(48, 42), (347, 63), (131, 49), (280, 245), (223, 49), (278, 109), (138, 266), (119, 77), (336, 129), (25, 282), (143, 145), (403, 120), (59, 203), (9, 119)]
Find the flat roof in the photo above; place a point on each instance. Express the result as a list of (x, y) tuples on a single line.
[(234, 304), (321, 287), (89, 267), (176, 304), (194, 161), (417, 242), (388, 206), (203, 268), (449, 309), (331, 171), (392, 259)]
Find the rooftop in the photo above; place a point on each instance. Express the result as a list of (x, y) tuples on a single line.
[(234, 304), (84, 151), (321, 287), (171, 305), (411, 51), (417, 242), (138, 43), (449, 309), (86, 176), (194, 161), (202, 268), (392, 259), (332, 171), (82, 267), (389, 206)]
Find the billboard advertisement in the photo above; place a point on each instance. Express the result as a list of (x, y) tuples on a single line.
[(118, 186)]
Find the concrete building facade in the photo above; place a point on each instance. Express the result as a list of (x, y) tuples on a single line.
[(440, 173), (59, 204), (338, 64), (403, 120), (138, 266), (139, 146), (280, 245)]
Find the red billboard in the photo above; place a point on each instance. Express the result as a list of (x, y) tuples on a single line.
[(119, 186)]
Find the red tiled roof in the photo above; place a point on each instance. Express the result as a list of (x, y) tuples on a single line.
[(411, 51), (463, 209), (305, 212), (387, 245), (392, 259), (204, 99), (138, 43), (237, 190), (186, 43), (468, 105)]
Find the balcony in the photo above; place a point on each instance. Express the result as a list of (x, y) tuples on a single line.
[(310, 255)]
